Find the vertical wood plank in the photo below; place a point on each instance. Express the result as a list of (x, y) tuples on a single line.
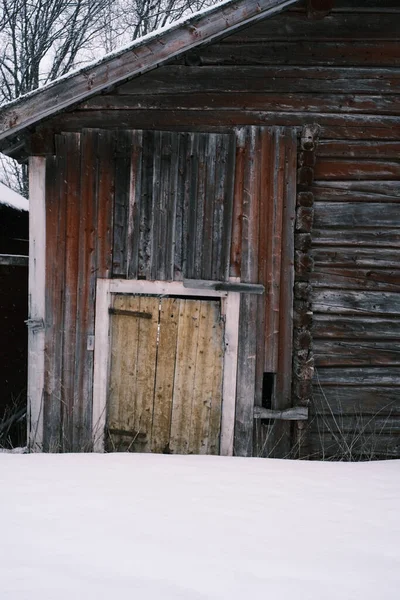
[(101, 363), (188, 329), (146, 369), (199, 204), (135, 203), (237, 217), (70, 395), (183, 170), (283, 389), (232, 309), (225, 181), (209, 204), (217, 346), (87, 263), (207, 387), (274, 251), (171, 209), (164, 385), (55, 262), (121, 202), (243, 445), (37, 283), (145, 243)]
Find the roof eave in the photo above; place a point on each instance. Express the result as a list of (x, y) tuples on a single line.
[(131, 62)]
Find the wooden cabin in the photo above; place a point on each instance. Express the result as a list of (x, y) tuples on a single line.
[(215, 230), (14, 217)]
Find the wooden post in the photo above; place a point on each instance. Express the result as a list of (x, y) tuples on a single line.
[(36, 309)]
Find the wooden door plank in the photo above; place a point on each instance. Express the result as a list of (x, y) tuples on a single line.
[(214, 435), (188, 330), (165, 371), (124, 357), (146, 369), (206, 397)]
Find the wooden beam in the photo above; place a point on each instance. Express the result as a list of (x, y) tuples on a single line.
[(224, 286), (296, 413), (139, 58), (37, 277), (14, 260)]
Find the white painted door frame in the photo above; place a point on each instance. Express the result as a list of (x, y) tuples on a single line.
[(230, 309)]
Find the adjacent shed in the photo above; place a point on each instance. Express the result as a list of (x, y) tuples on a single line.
[(215, 237), (13, 313)]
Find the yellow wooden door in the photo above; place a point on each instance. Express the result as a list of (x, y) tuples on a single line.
[(165, 389)]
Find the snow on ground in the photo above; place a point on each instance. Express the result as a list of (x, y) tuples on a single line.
[(11, 198), (121, 526)]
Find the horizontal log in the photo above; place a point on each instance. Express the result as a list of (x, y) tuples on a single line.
[(355, 327), (358, 376), (353, 256), (296, 413), (332, 353), (341, 168), (350, 400), (384, 188), (336, 26), (224, 286), (248, 100), (174, 79), (380, 53), (357, 426), (14, 260), (368, 303), (359, 149), (350, 448), (332, 125), (356, 214), (381, 237), (356, 279)]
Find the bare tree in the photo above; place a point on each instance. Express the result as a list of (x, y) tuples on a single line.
[(41, 40)]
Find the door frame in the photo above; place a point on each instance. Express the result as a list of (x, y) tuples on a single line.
[(230, 305)]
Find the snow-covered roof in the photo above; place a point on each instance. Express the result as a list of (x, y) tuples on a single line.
[(132, 60), (12, 199)]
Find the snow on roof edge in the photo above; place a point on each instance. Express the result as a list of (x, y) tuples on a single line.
[(119, 51), (12, 199)]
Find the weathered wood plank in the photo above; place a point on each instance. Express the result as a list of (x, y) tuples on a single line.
[(328, 353), (121, 406), (350, 400), (282, 397), (210, 206), (356, 214), (41, 176), (359, 279), (135, 203), (341, 168), (336, 26), (355, 327), (379, 237), (333, 125), (250, 99), (174, 79), (245, 391), (121, 203), (368, 303), (353, 446), (351, 256), (380, 53), (274, 254), (345, 149), (14, 260), (207, 389), (70, 395), (145, 241), (296, 413), (164, 384), (146, 369), (188, 331), (237, 221), (358, 376)]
